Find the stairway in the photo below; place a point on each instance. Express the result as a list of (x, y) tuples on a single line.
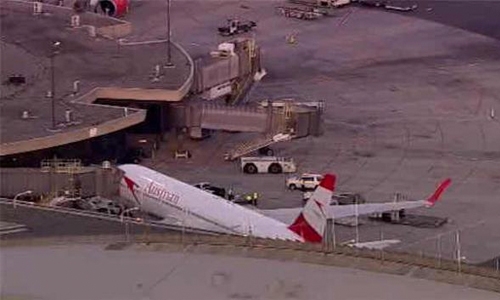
[(254, 145)]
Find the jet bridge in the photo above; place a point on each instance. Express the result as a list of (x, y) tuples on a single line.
[(302, 120)]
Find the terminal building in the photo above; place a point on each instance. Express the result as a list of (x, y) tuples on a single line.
[(72, 89)]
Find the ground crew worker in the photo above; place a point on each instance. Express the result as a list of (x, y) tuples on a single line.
[(254, 198), (230, 194)]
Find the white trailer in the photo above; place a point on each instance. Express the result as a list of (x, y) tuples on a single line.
[(268, 164), (218, 91)]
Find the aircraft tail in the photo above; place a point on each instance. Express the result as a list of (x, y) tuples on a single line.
[(437, 193), (311, 222)]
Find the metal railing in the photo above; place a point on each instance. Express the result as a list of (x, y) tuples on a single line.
[(61, 165)]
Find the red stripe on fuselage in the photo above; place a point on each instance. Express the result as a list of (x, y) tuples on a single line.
[(302, 228)]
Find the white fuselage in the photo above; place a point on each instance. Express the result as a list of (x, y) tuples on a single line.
[(169, 198)]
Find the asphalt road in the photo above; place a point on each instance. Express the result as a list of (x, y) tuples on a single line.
[(481, 17)]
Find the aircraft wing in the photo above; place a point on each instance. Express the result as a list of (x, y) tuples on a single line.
[(287, 215), (341, 211)]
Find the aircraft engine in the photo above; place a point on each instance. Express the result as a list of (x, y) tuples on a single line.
[(113, 8)]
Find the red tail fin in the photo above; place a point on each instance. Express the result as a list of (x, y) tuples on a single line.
[(437, 193), (310, 224)]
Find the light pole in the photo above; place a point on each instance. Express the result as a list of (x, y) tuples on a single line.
[(55, 47), (169, 34), (126, 223), (19, 195)]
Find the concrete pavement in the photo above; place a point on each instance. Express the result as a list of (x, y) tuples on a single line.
[(69, 272)]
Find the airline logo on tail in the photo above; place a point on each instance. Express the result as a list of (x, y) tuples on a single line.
[(310, 224), (131, 185)]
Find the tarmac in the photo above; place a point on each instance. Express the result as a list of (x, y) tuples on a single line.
[(69, 272), (479, 16), (408, 103)]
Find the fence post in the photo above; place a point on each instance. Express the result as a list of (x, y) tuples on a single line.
[(382, 248), (328, 236), (127, 238), (439, 250), (459, 253)]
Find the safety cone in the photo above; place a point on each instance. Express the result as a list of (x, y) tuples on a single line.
[(291, 39)]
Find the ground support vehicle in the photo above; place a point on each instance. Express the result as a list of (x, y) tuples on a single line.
[(261, 145), (268, 164), (308, 13), (385, 5), (246, 199), (242, 199), (206, 186), (322, 3), (235, 26)]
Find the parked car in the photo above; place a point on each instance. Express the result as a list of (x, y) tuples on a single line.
[(306, 181), (101, 205)]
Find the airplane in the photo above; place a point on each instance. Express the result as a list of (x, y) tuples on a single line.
[(178, 202)]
